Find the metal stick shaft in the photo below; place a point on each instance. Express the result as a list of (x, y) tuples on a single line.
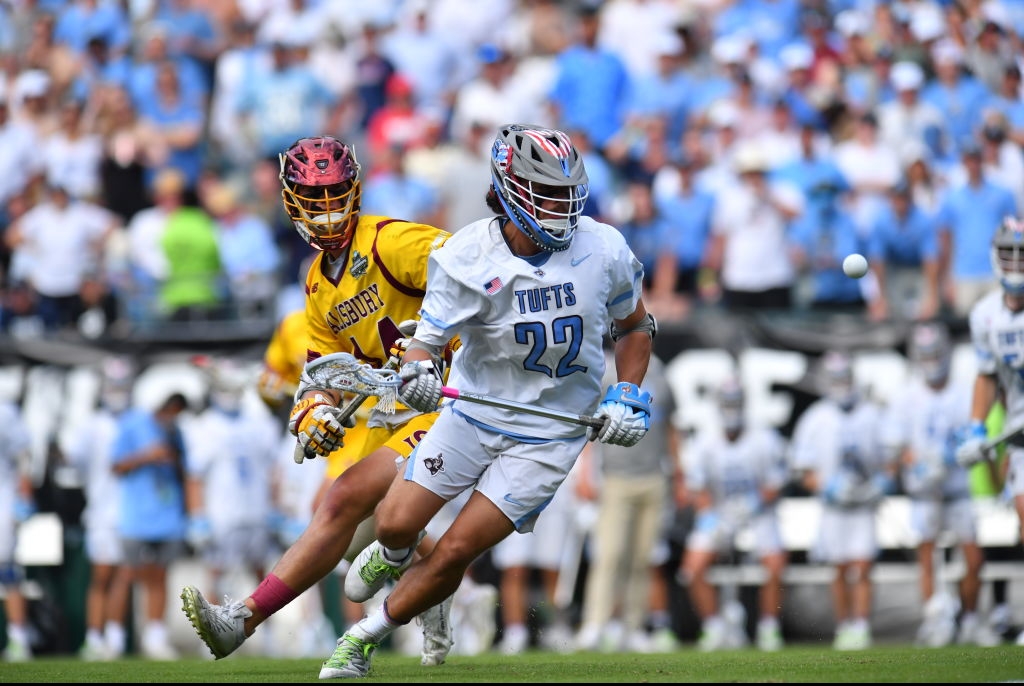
[(582, 420)]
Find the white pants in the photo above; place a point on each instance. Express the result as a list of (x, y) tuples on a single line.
[(930, 517), (846, 535)]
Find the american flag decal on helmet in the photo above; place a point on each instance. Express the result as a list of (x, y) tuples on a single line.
[(555, 143), (502, 156)]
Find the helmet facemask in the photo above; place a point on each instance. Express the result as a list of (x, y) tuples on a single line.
[(540, 182), (1008, 255), (730, 406), (931, 352), (324, 215)]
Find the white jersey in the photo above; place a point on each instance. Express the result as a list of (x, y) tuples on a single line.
[(927, 421), (88, 448), (735, 469), (235, 457), (997, 334), (15, 442), (531, 330), (828, 441)]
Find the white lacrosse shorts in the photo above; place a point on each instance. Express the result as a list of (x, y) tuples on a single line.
[(519, 478), (929, 518)]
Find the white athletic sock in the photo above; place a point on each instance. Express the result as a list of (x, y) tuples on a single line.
[(396, 556), (375, 627), (769, 622), (94, 638), (113, 633), (18, 633)]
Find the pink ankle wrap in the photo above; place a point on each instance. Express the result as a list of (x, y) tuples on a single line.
[(271, 595)]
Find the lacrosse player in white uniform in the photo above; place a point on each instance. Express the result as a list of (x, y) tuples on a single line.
[(532, 292), (837, 449), (921, 429), (233, 451), (735, 473), (15, 505), (88, 449), (997, 333)]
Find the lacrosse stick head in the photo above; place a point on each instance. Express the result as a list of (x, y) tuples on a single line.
[(343, 372)]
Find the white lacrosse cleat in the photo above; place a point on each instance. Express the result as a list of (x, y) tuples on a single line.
[(371, 570), (975, 632), (351, 659), (714, 635), (221, 627), (437, 633)]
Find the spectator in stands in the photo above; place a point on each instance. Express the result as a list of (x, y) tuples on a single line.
[(16, 505), (688, 212), (837, 452), (956, 93), (249, 256), (398, 121), (592, 84), (820, 239), (734, 473), (423, 53), (80, 20), (194, 287), (966, 219), (284, 102), (238, 65), (922, 426), (633, 489), (72, 153), (748, 252), (152, 52), (19, 163), (907, 122), (870, 167), (149, 458), (373, 72), (57, 248), (89, 449), (176, 127), (123, 167), (390, 191), (903, 251), (1006, 99), (147, 261)]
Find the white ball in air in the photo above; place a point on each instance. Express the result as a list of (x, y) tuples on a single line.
[(855, 266)]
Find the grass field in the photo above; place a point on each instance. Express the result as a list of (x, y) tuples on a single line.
[(793, 664)]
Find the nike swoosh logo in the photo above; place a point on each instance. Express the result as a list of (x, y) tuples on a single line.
[(509, 498), (579, 260)]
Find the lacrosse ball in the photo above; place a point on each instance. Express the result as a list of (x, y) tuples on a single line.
[(855, 266)]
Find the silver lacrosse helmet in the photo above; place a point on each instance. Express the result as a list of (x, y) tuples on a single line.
[(1008, 255), (930, 350), (730, 400), (117, 376), (837, 378), (541, 183), (229, 380)]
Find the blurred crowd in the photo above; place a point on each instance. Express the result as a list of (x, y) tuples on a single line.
[(745, 147)]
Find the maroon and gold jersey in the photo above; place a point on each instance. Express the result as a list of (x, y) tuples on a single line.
[(356, 304)]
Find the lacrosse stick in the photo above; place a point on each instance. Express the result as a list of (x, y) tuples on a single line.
[(1008, 435), (343, 372), (581, 419)]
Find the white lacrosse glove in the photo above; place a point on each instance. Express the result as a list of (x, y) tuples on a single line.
[(198, 532), (971, 450), (626, 411), (314, 421), (421, 387)]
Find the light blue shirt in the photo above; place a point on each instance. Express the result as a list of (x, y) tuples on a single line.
[(971, 214), (908, 241), (592, 90), (826, 238), (688, 224), (247, 246), (402, 197), (152, 496)]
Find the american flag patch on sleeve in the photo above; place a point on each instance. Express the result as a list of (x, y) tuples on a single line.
[(493, 286)]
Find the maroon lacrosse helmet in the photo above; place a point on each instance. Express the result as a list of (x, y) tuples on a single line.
[(321, 190)]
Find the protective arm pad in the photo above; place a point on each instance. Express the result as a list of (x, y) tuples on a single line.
[(648, 325)]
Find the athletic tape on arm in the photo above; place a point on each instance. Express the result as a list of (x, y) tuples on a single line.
[(648, 325)]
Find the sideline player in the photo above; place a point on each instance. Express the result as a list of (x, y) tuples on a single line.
[(369, 276)]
